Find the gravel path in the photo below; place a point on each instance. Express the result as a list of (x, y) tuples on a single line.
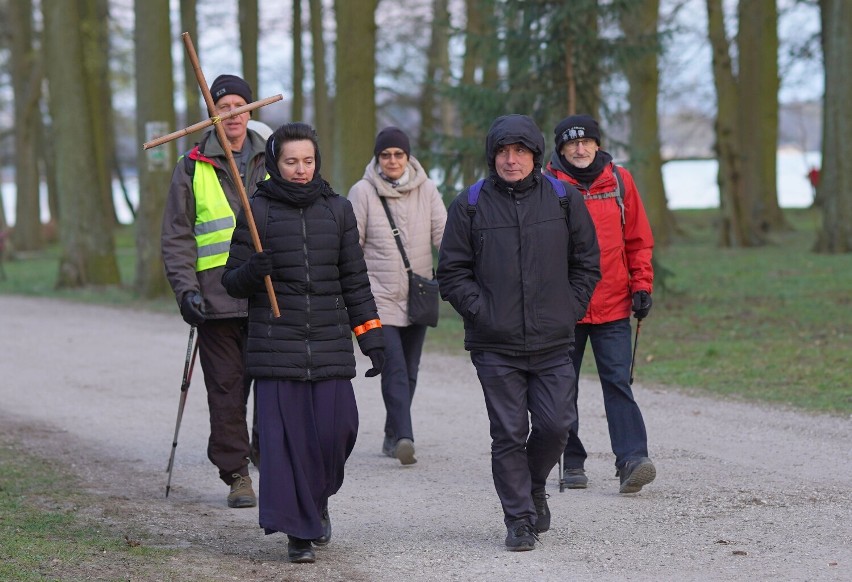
[(743, 492)]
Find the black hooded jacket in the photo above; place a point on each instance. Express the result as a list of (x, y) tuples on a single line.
[(517, 269)]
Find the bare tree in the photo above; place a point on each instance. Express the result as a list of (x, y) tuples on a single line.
[(26, 82), (88, 248), (836, 179), (298, 109), (639, 21), (322, 106), (437, 73), (355, 94), (192, 95), (249, 35), (155, 116)]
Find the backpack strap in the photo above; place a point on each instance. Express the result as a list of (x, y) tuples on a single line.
[(473, 196), (620, 197)]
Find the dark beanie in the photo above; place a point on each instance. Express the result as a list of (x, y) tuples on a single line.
[(230, 85), (392, 137), (576, 127)]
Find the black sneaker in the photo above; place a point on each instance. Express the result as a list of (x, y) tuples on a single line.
[(299, 551), (542, 511), (574, 479), (325, 520), (635, 474), (521, 536), (388, 446)]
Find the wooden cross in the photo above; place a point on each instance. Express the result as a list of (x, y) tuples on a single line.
[(215, 121)]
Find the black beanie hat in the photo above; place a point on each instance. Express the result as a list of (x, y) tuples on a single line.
[(230, 85), (392, 137), (576, 127)]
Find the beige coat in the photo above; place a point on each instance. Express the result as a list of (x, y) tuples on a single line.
[(419, 214)]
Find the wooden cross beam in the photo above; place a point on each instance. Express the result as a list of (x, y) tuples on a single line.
[(215, 121)]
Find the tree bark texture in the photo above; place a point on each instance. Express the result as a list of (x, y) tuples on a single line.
[(88, 248), (639, 20), (249, 35), (323, 114), (355, 96), (757, 42), (836, 179), (26, 83), (154, 103), (735, 229), (191, 92), (297, 112)]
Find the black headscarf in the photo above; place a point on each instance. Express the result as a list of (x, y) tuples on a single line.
[(293, 193)]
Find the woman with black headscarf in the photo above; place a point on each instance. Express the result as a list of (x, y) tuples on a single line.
[(303, 361)]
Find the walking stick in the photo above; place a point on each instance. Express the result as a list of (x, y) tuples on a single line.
[(189, 364), (635, 343)]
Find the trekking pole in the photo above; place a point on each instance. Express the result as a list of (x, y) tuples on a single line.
[(188, 365), (635, 343), (562, 483)]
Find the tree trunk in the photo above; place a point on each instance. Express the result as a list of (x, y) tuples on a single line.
[(88, 249), (639, 22), (583, 27), (249, 35), (437, 74), (757, 42), (26, 83), (322, 107), (836, 180), (355, 99), (471, 151), (735, 230), (95, 36), (155, 116), (191, 92), (298, 110)]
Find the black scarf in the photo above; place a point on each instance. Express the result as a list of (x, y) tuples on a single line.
[(292, 193), (584, 176)]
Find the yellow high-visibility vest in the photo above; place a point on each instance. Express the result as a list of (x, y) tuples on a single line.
[(214, 219)]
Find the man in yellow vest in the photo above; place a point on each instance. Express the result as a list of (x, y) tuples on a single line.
[(199, 218)]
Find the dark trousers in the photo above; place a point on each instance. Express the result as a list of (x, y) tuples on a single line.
[(221, 348), (403, 346), (612, 351), (523, 391)]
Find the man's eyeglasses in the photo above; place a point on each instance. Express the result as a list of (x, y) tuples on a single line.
[(395, 155), (586, 142)]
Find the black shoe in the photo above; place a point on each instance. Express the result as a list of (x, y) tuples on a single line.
[(574, 479), (388, 446), (299, 551), (542, 511), (325, 520), (635, 474), (521, 536)]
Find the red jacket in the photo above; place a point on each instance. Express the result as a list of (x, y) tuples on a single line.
[(625, 252)]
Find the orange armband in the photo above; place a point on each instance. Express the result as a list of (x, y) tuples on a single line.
[(367, 326)]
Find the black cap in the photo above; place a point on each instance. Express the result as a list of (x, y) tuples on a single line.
[(392, 137), (230, 85), (576, 127)]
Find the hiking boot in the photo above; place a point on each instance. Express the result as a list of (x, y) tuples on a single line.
[(241, 495), (635, 474), (520, 536), (404, 451), (325, 521), (299, 551), (574, 478), (542, 511)]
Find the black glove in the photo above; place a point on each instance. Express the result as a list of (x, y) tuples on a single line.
[(192, 308), (377, 358), (260, 264), (641, 304)]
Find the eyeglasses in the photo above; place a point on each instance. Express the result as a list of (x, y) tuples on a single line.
[(586, 142), (395, 155)]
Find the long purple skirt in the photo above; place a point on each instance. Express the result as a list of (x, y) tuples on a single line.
[(307, 431)]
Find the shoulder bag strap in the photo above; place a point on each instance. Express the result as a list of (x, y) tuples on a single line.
[(395, 232)]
